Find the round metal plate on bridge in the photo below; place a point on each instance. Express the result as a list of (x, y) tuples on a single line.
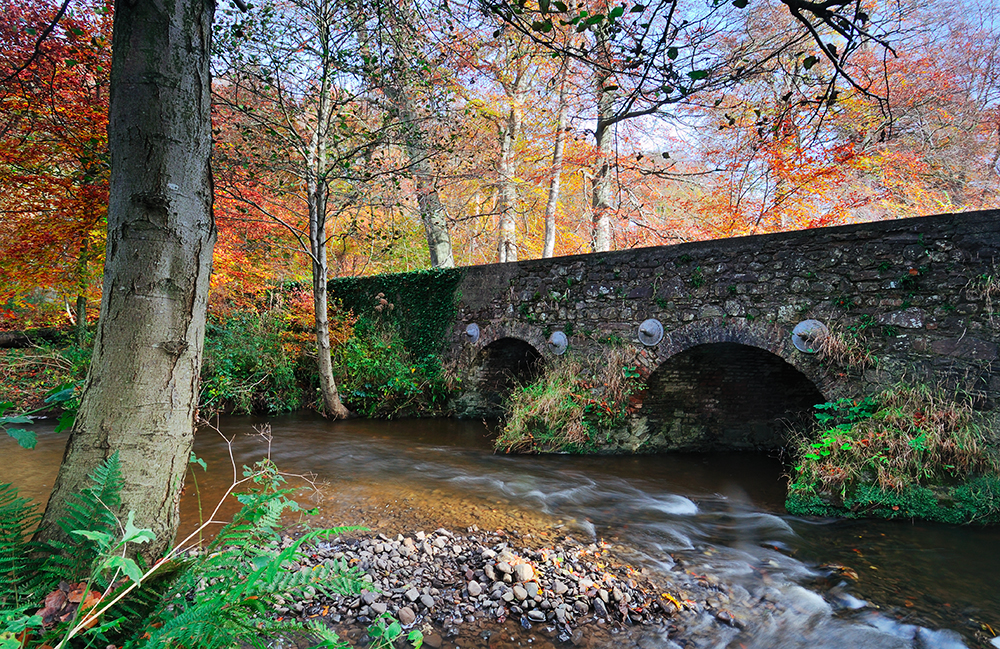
[(808, 334), (650, 332), (557, 343), (472, 333)]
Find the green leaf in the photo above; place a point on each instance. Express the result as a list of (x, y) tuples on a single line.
[(60, 395), (102, 539), (741, 4), (807, 63), (126, 565), (618, 12), (5, 406), (393, 631), (672, 53), (560, 6), (135, 534), (416, 638), (66, 421), (71, 63), (17, 419), (697, 75), (194, 459), (25, 438), (543, 6)]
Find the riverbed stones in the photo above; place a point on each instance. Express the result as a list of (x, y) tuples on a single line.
[(475, 589)]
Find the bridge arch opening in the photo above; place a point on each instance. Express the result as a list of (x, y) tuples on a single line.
[(503, 365), (728, 395)]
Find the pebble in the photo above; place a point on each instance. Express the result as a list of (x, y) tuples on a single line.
[(475, 589), (412, 594), (406, 616), (524, 572), (520, 593)]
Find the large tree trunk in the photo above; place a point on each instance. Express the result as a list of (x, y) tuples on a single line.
[(142, 388), (506, 170), (562, 117)]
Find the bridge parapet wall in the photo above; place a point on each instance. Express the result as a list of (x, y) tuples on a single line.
[(922, 295)]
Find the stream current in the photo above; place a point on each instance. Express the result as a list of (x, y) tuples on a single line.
[(850, 584)]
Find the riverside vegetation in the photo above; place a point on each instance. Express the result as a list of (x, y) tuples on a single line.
[(912, 451), (90, 591)]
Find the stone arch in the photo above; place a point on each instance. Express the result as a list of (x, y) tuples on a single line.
[(723, 385), (500, 366)]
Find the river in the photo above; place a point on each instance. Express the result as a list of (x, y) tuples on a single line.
[(918, 584)]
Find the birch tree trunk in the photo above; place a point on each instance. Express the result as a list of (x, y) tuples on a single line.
[(317, 196), (506, 171), (142, 387), (317, 242), (602, 165), (562, 117), (602, 170)]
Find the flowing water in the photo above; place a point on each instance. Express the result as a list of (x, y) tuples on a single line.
[(854, 584)]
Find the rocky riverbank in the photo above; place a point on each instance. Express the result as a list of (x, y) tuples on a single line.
[(490, 589)]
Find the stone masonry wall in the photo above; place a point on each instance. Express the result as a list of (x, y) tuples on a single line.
[(922, 294)]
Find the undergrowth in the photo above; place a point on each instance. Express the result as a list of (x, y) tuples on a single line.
[(570, 406), (87, 591), (378, 376), (899, 446)]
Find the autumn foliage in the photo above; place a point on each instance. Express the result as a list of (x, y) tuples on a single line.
[(770, 153)]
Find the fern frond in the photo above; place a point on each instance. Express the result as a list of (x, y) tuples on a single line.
[(18, 516)]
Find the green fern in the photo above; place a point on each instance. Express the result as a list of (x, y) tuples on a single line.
[(91, 510), (226, 596), (18, 580)]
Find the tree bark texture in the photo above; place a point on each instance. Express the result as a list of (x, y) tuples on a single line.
[(506, 171), (602, 165), (317, 198), (562, 117), (141, 391)]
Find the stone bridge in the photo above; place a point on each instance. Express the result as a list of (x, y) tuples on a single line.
[(913, 300)]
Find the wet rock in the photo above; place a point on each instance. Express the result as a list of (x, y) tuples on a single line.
[(412, 594), (559, 588), (475, 589), (434, 641), (504, 567), (599, 607), (427, 601), (520, 593)]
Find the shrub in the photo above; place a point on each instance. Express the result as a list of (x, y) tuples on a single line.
[(378, 377), (904, 441), (569, 406), (247, 368)]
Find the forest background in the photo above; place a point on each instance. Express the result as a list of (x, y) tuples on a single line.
[(353, 140)]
